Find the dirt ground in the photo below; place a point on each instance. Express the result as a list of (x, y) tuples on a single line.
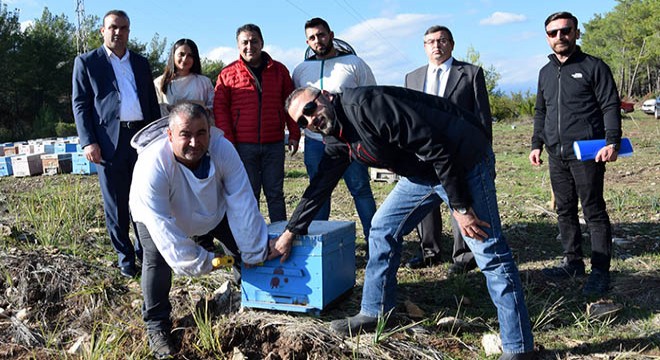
[(56, 304)]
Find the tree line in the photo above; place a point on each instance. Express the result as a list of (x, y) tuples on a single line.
[(35, 96)]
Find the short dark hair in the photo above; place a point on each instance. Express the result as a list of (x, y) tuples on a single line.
[(120, 13), (189, 110), (297, 92), (562, 15), (315, 22), (251, 28), (435, 28)]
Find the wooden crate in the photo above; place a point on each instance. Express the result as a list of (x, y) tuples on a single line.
[(54, 164), (26, 165)]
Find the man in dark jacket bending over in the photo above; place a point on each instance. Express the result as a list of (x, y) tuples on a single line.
[(423, 138)]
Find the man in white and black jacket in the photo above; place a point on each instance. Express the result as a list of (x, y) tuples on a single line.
[(576, 100), (445, 155)]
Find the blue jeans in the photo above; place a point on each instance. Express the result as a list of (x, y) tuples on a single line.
[(356, 178), (404, 208), (264, 164)]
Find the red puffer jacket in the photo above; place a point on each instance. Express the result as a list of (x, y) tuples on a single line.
[(249, 112)]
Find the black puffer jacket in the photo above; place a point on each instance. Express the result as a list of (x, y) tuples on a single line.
[(413, 134), (576, 100)]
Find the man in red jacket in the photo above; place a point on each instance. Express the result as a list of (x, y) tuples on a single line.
[(249, 108)]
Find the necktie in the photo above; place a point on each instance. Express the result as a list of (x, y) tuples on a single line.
[(434, 84)]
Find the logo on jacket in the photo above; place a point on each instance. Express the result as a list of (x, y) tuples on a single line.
[(576, 76)]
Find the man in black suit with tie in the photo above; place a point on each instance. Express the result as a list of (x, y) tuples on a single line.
[(109, 109), (464, 85)]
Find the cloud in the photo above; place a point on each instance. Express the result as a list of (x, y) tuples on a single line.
[(224, 53), (26, 24), (290, 57), (517, 73), (501, 18), (385, 43)]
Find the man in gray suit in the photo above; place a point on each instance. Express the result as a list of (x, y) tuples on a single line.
[(464, 85), (114, 97)]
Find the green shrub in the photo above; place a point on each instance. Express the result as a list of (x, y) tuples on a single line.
[(63, 129)]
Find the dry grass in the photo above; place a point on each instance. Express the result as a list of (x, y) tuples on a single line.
[(73, 293)]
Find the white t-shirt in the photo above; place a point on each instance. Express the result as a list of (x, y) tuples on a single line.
[(192, 87), (333, 75), (175, 205)]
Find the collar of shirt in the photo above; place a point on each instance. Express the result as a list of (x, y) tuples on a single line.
[(112, 55), (445, 66)]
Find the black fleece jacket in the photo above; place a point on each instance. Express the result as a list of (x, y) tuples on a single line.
[(576, 100), (416, 135)]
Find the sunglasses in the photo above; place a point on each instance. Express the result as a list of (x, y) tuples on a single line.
[(564, 31), (308, 110)]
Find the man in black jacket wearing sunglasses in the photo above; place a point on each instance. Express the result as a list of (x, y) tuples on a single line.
[(444, 154), (576, 100)]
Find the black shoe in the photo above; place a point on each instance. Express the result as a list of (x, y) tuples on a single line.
[(128, 271), (419, 262), (462, 267), (160, 344), (353, 325), (598, 283), (565, 270), (522, 356)]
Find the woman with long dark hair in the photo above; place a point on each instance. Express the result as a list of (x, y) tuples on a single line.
[(182, 79)]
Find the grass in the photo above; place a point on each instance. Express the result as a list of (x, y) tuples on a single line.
[(63, 214)]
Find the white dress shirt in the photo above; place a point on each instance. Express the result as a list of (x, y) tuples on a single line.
[(129, 104), (445, 67)]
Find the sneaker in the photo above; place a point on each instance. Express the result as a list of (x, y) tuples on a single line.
[(160, 344), (598, 283), (565, 270), (354, 324)]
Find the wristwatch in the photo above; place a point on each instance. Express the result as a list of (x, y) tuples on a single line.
[(615, 146), (461, 210)]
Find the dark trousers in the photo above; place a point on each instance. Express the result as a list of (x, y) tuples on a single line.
[(573, 179), (264, 164), (157, 274), (115, 181), (430, 231)]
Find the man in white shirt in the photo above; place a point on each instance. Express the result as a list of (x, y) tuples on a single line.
[(186, 184), (331, 64), (464, 85), (113, 97)]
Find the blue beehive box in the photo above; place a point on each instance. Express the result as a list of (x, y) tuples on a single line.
[(5, 166), (80, 164), (65, 148), (320, 269)]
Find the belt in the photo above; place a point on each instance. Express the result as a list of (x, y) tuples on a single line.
[(132, 124)]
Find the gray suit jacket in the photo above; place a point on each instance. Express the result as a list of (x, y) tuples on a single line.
[(95, 98), (466, 87)]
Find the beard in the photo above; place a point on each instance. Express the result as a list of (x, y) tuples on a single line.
[(564, 48), (324, 50), (329, 123)]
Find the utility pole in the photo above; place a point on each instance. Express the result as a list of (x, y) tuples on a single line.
[(81, 32)]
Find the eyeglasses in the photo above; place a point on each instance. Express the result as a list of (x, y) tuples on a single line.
[(442, 41), (563, 31), (308, 110)]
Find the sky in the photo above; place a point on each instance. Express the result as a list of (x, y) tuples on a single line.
[(387, 34)]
